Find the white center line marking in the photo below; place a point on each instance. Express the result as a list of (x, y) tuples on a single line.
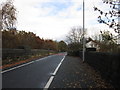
[(52, 77)]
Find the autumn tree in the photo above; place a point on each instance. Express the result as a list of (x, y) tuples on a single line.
[(50, 45), (62, 46), (9, 39), (111, 17), (7, 15), (27, 39), (21, 39), (39, 43)]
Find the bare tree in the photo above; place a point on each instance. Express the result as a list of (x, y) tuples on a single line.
[(7, 15), (75, 35)]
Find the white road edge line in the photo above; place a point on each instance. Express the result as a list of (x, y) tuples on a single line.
[(24, 64), (58, 66), (48, 83), (17, 67), (52, 77)]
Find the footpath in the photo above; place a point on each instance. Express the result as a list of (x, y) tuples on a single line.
[(73, 73)]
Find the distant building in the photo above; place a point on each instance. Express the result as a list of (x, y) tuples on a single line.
[(92, 44)]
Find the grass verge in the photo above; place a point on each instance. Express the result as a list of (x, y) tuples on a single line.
[(17, 60)]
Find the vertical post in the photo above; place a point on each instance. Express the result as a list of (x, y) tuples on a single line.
[(83, 33), (0, 49), (118, 21)]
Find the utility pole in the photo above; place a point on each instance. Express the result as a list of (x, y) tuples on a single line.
[(83, 31)]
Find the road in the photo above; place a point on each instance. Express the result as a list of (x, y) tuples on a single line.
[(35, 74)]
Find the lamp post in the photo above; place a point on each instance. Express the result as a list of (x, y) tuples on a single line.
[(83, 32)]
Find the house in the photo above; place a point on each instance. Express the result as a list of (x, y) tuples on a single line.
[(92, 44)]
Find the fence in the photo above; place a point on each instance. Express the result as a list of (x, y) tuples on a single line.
[(108, 64)]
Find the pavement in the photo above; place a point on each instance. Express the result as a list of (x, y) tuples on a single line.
[(73, 73)]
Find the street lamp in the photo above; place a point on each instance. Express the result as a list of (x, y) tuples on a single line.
[(83, 32)]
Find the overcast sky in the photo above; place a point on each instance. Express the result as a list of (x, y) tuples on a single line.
[(53, 19)]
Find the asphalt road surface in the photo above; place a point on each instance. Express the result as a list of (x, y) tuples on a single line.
[(35, 74)]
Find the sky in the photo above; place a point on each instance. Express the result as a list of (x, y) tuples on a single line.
[(53, 19)]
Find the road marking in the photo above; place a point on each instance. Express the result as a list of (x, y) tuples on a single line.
[(48, 83), (25, 64), (17, 67), (58, 66), (53, 75)]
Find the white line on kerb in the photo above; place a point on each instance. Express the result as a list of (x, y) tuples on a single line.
[(24, 64), (52, 77)]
